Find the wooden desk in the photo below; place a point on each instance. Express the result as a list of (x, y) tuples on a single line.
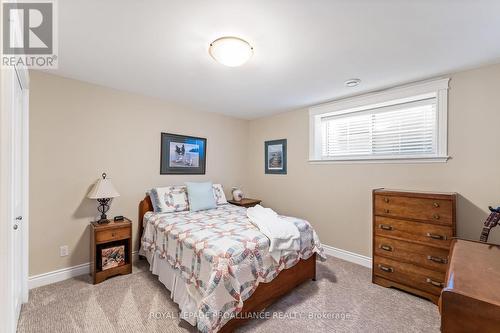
[(470, 301)]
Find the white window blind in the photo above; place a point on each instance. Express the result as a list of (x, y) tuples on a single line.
[(402, 130), (404, 124)]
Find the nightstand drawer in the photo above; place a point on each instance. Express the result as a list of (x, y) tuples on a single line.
[(112, 234)]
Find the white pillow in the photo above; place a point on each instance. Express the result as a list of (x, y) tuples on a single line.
[(220, 197), (170, 199)]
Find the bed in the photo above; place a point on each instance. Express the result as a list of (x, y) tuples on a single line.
[(217, 266)]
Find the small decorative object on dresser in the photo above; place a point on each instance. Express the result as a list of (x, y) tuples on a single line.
[(412, 232), (245, 202), (111, 249), (103, 190), (275, 157), (237, 194)]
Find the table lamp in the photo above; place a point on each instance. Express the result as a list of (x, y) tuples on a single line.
[(103, 190)]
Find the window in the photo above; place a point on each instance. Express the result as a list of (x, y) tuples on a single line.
[(400, 124)]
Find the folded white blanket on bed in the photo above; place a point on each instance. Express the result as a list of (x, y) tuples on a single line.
[(283, 234)]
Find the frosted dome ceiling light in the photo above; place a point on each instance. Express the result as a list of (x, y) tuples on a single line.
[(230, 51)]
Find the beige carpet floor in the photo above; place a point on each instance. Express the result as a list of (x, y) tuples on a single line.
[(343, 299)]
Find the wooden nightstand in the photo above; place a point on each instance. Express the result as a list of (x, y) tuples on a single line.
[(103, 236), (245, 202)]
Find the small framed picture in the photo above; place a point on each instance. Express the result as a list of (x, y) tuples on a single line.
[(182, 155), (275, 157), (113, 257)]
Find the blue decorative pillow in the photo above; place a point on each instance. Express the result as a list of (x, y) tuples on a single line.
[(201, 196)]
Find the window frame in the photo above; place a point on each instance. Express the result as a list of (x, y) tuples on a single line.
[(413, 92)]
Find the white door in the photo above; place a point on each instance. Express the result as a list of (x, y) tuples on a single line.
[(18, 209), (14, 113), (14, 196)]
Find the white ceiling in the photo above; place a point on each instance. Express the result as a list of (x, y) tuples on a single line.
[(303, 50)]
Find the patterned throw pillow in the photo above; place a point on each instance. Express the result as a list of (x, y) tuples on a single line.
[(170, 199), (154, 200), (220, 197)]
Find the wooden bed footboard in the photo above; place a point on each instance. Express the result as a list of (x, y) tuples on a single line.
[(266, 293)]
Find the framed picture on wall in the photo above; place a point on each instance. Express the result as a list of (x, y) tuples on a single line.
[(182, 155), (275, 157)]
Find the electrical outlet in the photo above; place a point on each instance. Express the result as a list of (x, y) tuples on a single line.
[(63, 251)]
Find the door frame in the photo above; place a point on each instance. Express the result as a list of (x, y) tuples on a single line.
[(23, 77)]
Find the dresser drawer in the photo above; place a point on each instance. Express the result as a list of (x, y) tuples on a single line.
[(410, 275), (425, 233), (434, 210), (421, 255), (112, 234)]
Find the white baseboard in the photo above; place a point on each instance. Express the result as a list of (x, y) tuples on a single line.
[(348, 256), (58, 275), (43, 279), (39, 280)]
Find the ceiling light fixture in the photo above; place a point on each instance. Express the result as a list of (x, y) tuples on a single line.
[(230, 51), (352, 83)]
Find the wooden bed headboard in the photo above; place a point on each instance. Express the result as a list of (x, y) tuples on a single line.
[(144, 206)]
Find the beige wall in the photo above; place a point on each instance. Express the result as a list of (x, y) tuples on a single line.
[(336, 198), (79, 130)]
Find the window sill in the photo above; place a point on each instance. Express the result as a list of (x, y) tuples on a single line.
[(397, 160)]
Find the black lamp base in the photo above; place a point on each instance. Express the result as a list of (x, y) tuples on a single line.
[(103, 208)]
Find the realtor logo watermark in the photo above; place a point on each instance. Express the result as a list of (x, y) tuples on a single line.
[(29, 34)]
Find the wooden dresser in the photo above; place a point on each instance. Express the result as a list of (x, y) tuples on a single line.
[(412, 232), (470, 301)]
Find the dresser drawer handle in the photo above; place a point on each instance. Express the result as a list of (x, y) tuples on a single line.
[(436, 204), (113, 234), (435, 283), (436, 216), (386, 200), (386, 269), (386, 248), (435, 236), (438, 259), (385, 227), (386, 211)]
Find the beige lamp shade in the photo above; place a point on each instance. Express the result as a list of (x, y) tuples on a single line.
[(103, 188)]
